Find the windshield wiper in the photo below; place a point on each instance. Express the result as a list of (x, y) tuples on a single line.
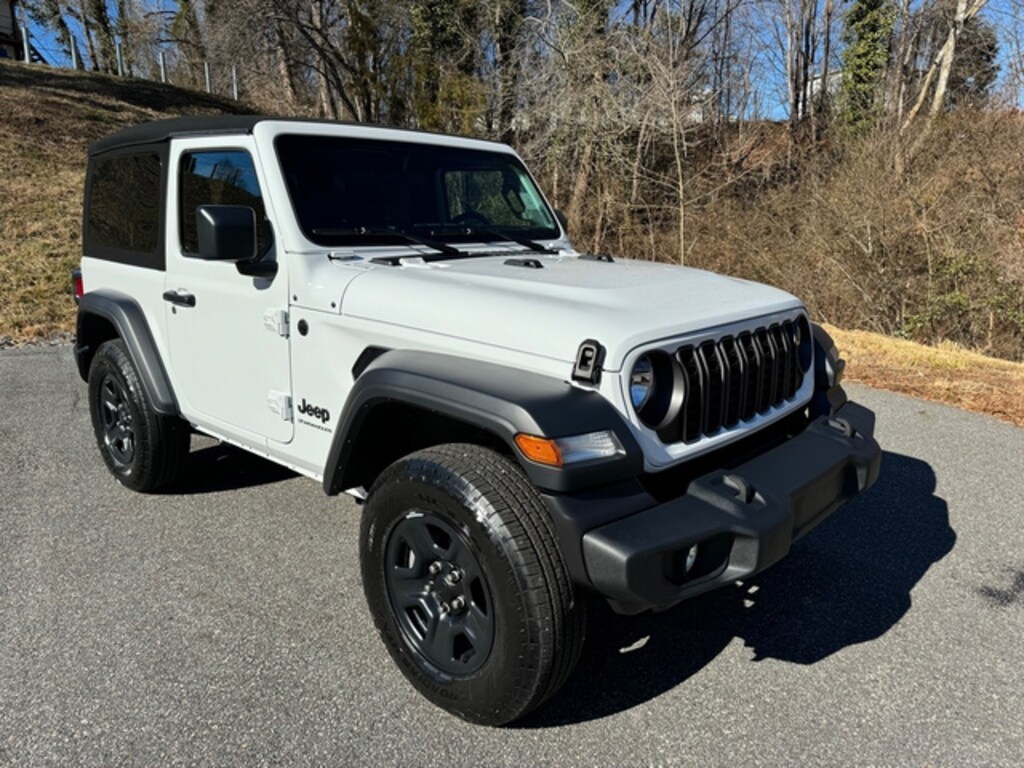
[(494, 235), (395, 234)]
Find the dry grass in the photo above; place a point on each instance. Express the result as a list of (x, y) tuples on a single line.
[(47, 119), (946, 374)]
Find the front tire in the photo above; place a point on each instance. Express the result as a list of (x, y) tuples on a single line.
[(466, 584), (143, 449)]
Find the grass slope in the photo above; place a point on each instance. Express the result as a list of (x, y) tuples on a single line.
[(946, 374), (47, 119), (49, 116)]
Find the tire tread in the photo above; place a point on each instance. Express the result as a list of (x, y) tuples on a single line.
[(523, 530), (161, 442)]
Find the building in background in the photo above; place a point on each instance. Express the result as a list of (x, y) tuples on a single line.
[(10, 35)]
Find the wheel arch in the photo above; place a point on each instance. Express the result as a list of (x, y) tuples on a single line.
[(106, 315), (428, 399)]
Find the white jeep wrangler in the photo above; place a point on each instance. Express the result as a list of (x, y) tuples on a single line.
[(401, 316)]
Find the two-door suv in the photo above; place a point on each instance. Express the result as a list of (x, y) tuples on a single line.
[(401, 316)]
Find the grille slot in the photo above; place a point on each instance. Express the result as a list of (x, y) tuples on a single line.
[(711, 361), (735, 378), (690, 414)]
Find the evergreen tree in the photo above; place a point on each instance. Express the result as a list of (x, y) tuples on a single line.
[(868, 35)]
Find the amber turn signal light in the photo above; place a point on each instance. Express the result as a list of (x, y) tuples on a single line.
[(539, 449)]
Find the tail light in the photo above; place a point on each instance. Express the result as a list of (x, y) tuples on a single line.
[(77, 286)]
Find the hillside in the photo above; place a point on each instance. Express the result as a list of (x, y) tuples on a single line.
[(47, 119), (49, 116)]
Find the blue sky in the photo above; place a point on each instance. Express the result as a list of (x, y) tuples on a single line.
[(771, 78)]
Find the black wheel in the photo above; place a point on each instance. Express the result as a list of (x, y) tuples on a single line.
[(466, 584), (143, 449)]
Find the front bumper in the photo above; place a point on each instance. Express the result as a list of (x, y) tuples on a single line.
[(742, 519)]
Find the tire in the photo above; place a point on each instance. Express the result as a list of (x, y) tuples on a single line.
[(518, 632), (144, 450)]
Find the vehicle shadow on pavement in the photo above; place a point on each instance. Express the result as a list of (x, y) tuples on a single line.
[(222, 467), (847, 582)]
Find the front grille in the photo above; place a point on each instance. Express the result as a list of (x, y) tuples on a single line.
[(736, 378)]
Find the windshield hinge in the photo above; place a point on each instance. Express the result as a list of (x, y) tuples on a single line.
[(276, 320), (280, 403), (589, 359)]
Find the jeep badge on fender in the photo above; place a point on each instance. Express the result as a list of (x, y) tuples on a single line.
[(526, 426), (314, 411)]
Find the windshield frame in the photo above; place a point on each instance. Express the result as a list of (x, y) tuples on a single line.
[(447, 148)]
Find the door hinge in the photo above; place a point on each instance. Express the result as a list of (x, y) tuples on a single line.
[(281, 404), (276, 320)]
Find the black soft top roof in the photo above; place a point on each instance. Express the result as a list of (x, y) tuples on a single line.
[(198, 125), (162, 130)]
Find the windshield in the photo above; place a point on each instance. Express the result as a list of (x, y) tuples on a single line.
[(349, 191)]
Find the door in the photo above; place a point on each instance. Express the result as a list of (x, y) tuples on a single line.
[(227, 332)]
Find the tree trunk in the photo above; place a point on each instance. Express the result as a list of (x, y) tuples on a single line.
[(325, 104), (90, 43), (941, 67), (508, 23), (284, 66), (678, 151), (579, 188), (100, 17)]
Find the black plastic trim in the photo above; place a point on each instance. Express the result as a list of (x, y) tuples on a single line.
[(180, 299), (212, 125), (526, 263), (366, 357), (589, 362), (498, 400), (760, 507), (826, 400), (130, 323)]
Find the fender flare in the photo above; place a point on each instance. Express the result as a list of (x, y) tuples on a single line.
[(499, 400), (125, 315), (826, 400)]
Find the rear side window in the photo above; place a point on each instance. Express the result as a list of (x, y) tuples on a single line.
[(124, 206), (222, 177)]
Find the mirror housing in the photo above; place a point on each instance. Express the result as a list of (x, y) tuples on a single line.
[(226, 232)]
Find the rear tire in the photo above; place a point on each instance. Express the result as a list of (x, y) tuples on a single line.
[(143, 449), (466, 583)]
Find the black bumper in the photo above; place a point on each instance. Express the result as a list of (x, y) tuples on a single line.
[(742, 519)]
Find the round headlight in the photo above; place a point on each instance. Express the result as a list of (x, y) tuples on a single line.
[(656, 389), (641, 383)]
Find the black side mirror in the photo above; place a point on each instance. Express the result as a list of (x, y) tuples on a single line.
[(226, 232), (562, 220)]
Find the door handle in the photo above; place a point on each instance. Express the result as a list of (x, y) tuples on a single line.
[(180, 298)]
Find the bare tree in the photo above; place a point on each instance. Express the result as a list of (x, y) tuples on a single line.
[(938, 72)]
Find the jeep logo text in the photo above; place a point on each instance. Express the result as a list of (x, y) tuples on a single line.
[(314, 411)]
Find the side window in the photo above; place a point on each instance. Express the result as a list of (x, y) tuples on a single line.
[(124, 203), (223, 177)]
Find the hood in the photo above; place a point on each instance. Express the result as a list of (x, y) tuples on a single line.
[(551, 310)]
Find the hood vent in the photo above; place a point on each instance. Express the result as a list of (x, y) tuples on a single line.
[(528, 263)]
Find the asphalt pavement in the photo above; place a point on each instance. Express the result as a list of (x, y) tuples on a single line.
[(225, 624)]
